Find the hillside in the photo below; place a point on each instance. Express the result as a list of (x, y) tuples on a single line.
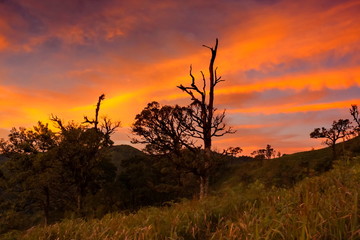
[(292, 197), (288, 169)]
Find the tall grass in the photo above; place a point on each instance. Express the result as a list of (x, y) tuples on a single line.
[(323, 207)]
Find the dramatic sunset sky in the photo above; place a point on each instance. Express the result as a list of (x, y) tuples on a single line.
[(289, 66)]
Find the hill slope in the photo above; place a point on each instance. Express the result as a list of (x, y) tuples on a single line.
[(120, 153)]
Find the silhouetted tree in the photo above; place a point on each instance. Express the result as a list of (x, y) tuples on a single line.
[(259, 154), (205, 123), (83, 153), (355, 114), (32, 174), (164, 129), (339, 129), (232, 151), (264, 153), (95, 121), (270, 152)]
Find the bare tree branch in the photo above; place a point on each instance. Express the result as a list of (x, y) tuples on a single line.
[(96, 120)]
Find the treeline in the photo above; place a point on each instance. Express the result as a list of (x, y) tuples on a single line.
[(53, 172)]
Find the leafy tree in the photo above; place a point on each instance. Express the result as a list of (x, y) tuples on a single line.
[(205, 123), (339, 129), (83, 153), (32, 174), (355, 114), (163, 129)]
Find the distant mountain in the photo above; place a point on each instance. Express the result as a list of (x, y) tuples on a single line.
[(123, 152)]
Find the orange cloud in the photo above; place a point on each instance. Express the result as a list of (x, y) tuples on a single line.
[(290, 108), (3, 43)]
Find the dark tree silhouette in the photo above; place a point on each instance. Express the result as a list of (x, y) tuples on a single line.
[(264, 153), (355, 114), (95, 121), (339, 129), (83, 151), (164, 129), (32, 175), (270, 152), (232, 151), (259, 154), (205, 123)]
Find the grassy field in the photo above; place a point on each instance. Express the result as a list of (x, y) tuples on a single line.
[(320, 206)]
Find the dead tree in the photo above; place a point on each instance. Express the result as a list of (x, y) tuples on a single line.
[(206, 124), (96, 120)]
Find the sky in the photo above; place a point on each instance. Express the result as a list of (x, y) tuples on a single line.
[(288, 66)]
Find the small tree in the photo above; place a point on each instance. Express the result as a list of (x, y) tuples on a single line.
[(259, 154), (232, 151), (355, 114), (265, 153), (339, 129), (270, 152)]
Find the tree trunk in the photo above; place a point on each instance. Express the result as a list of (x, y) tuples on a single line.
[(207, 165), (79, 204), (334, 151), (46, 206), (202, 188), (206, 185)]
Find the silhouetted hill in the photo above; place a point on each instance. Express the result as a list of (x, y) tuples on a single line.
[(123, 152)]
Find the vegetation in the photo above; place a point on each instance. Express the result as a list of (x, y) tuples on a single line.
[(320, 207)]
